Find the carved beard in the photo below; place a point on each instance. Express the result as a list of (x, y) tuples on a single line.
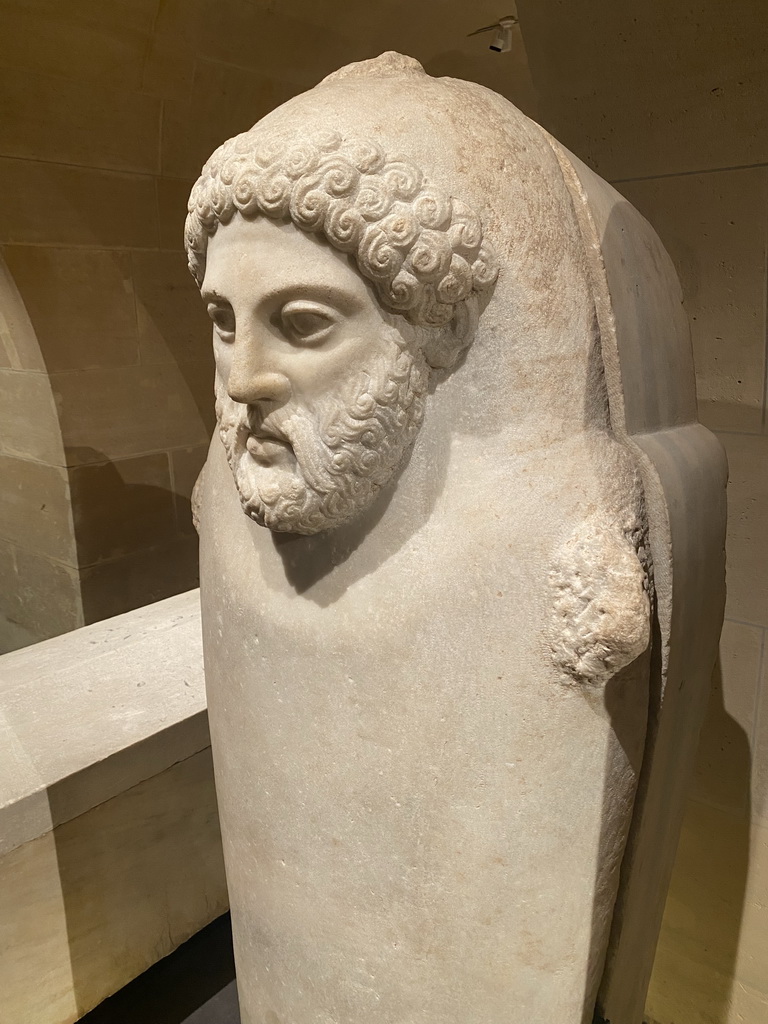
[(340, 450)]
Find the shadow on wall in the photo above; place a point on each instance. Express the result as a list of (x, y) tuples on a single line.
[(125, 355), (136, 543), (174, 328), (695, 970)]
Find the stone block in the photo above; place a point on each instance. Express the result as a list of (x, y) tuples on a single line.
[(112, 892), (319, 43), (39, 597), (82, 206), (80, 303), (225, 100), (110, 854), (6, 351), (35, 508), (172, 196), (13, 635), (110, 849), (173, 50), (136, 16), (722, 774), (114, 413), (636, 91), (172, 321), (131, 692), (18, 341), (121, 507), (29, 424), (702, 993), (747, 554), (111, 588), (715, 229), (53, 42), (48, 118)]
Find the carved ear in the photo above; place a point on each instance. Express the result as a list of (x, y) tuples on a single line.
[(601, 606), (443, 345)]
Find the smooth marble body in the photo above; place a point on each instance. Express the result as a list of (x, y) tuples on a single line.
[(403, 858), (429, 724)]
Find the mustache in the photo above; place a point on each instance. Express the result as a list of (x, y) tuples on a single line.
[(345, 442), (249, 419), (294, 427)]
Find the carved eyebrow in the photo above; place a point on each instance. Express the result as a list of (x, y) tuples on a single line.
[(325, 294)]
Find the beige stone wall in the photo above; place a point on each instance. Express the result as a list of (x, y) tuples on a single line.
[(109, 110), (105, 429), (39, 592), (670, 103)]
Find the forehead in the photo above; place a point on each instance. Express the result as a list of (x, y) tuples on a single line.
[(267, 257)]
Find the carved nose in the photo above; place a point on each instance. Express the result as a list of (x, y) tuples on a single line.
[(251, 381)]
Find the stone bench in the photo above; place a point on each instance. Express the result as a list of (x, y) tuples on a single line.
[(110, 855)]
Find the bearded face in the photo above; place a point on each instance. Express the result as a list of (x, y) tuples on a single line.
[(336, 453), (319, 395)]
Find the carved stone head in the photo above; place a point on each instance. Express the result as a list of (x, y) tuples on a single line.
[(337, 274)]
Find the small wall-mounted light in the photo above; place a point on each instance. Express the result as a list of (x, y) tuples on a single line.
[(502, 34)]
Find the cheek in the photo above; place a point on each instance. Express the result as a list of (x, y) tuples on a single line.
[(360, 352), (222, 356)]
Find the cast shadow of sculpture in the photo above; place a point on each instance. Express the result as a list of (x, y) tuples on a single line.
[(705, 906), (312, 560), (134, 538), (706, 902), (623, 730), (308, 561), (109, 511)]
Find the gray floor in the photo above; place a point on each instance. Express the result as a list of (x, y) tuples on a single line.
[(194, 985), (220, 1009)]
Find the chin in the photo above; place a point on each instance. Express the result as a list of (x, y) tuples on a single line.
[(282, 500)]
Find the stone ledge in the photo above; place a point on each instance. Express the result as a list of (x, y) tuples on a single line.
[(110, 852), (89, 714)]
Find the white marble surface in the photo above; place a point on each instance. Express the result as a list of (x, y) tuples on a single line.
[(429, 722)]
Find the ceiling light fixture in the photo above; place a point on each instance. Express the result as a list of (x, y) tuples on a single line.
[(502, 33)]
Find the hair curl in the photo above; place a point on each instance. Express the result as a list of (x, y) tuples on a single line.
[(423, 250)]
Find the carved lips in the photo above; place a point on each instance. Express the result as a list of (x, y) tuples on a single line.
[(265, 448)]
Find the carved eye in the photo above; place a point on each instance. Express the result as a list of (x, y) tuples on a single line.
[(306, 323), (223, 318)]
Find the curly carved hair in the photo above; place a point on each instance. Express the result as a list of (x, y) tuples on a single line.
[(422, 249)]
